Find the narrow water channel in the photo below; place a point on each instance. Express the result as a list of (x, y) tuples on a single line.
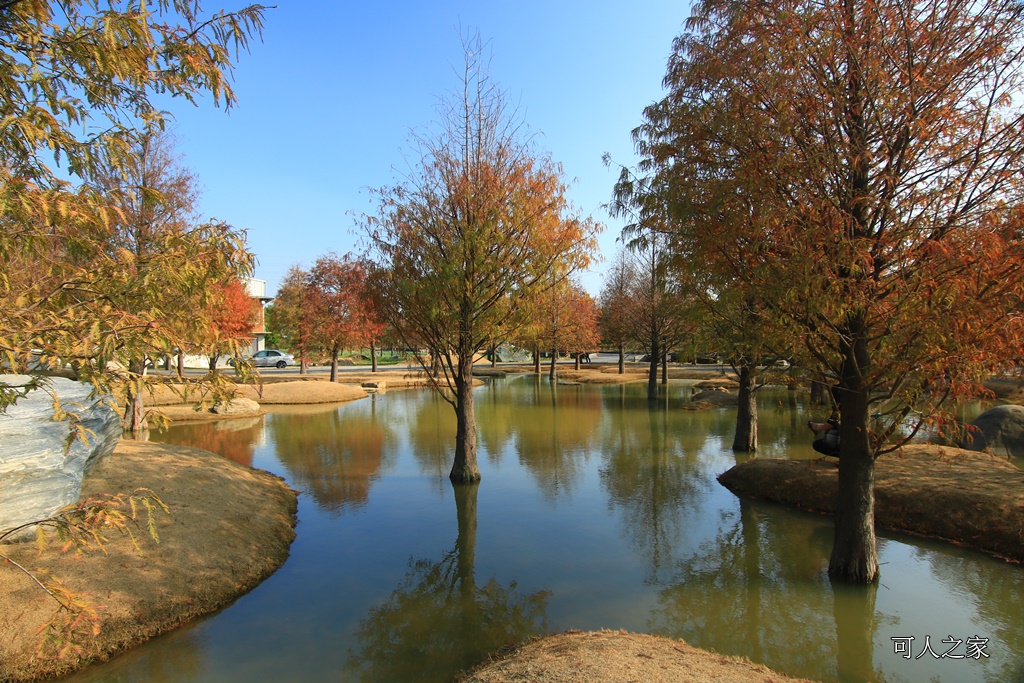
[(597, 510)]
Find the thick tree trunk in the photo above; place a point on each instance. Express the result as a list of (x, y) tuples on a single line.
[(652, 373), (373, 356), (579, 359), (819, 393), (553, 372), (854, 551), (745, 440), (303, 364), (465, 469), (213, 363), (134, 419), (622, 360), (334, 363)]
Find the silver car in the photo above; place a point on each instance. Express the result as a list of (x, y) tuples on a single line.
[(272, 358)]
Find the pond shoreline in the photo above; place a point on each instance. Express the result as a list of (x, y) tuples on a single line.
[(950, 494)]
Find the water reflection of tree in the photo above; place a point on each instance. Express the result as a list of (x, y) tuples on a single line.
[(234, 439), (440, 621), (179, 657), (555, 433), (650, 473), (431, 428), (737, 595), (336, 454), (997, 600)]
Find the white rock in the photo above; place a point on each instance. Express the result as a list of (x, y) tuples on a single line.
[(41, 465)]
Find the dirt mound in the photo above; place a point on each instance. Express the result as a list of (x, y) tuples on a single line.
[(230, 527), (970, 498), (287, 393), (619, 657)]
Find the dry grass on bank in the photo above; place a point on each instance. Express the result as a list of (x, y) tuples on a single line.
[(230, 528)]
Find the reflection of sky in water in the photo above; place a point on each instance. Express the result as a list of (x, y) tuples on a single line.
[(597, 510)]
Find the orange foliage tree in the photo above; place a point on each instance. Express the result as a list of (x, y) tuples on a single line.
[(343, 315), (867, 158), (231, 316), (479, 225), (568, 322)]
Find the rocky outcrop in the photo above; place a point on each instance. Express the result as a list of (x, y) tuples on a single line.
[(999, 430), (42, 461)]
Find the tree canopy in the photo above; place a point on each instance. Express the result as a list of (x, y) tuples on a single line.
[(79, 81), (480, 223)]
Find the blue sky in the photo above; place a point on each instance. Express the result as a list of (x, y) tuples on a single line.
[(328, 101)]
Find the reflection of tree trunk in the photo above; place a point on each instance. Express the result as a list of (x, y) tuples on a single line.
[(751, 550), (465, 545), (745, 440), (854, 609)]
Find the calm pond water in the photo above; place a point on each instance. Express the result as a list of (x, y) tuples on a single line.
[(596, 510)]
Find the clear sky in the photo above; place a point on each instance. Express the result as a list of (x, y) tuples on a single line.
[(328, 100)]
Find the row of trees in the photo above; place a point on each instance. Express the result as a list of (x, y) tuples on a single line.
[(326, 310), (846, 179), (106, 263)]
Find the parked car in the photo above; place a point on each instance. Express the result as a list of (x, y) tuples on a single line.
[(270, 358)]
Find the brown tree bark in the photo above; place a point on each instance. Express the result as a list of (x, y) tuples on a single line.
[(745, 440), (465, 469)]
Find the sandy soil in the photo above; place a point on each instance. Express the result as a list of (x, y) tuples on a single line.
[(619, 657), (229, 528)]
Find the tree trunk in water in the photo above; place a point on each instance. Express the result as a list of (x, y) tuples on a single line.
[(334, 363), (465, 469), (553, 372), (536, 359), (652, 373), (819, 393), (373, 356), (745, 440), (622, 360), (854, 551)]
